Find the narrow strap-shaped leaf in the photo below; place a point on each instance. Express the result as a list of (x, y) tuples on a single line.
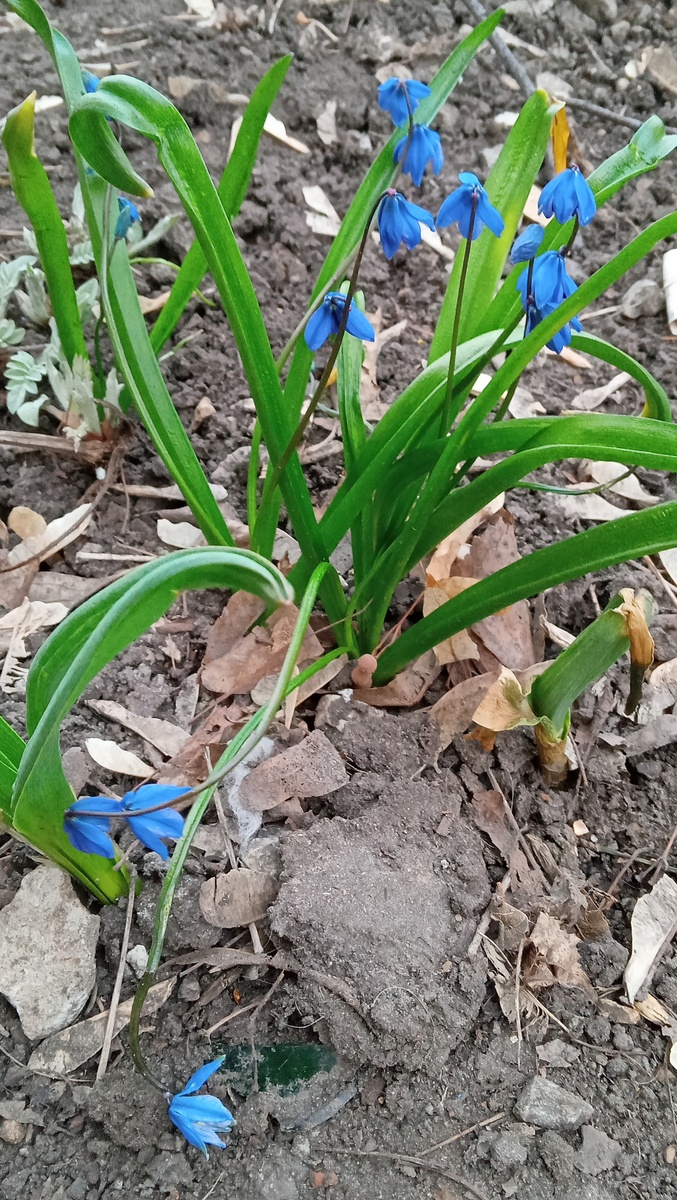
[(72, 657), (11, 749), (508, 187), (31, 186), (629, 537), (232, 190), (657, 403), (379, 177)]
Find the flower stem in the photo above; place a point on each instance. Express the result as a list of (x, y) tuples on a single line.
[(449, 392), (569, 246)]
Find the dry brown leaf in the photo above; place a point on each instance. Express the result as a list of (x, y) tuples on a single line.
[(507, 634), (240, 613), (591, 398), (326, 123), (630, 488), (323, 218), (204, 747), (453, 713), (558, 951), (660, 732), (257, 654), (65, 1051), (653, 925), (573, 358), (656, 1012), (153, 304), (505, 705), (182, 535), (659, 694), (669, 562), (26, 523), (459, 647), (38, 548), (19, 623), (445, 555), (56, 587), (166, 737), (523, 405), (587, 507), (406, 689), (488, 811), (237, 897), (314, 767), (111, 757)]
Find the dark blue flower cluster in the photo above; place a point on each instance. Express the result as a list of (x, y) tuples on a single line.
[(400, 221), (545, 283), (91, 833)]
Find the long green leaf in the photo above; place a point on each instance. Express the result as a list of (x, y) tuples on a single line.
[(618, 541), (379, 177), (85, 642), (31, 186), (657, 403), (142, 374), (508, 187), (11, 749), (232, 190), (148, 112)]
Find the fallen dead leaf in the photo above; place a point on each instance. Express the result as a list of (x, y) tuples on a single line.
[(452, 714), (655, 1011), (406, 689), (523, 405), (111, 757), (56, 587), (630, 487), (166, 737), (254, 655), (670, 288), (557, 952), (25, 523), (587, 508), (326, 123), (65, 1051), (591, 398), (181, 85), (446, 553), (153, 304), (573, 358), (659, 694), (460, 646), (662, 731), (312, 768), (180, 534), (14, 583), (237, 898), (661, 64), (28, 618), (669, 562), (653, 925)]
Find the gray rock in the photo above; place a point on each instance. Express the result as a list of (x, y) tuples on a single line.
[(508, 1150), (550, 1106), (47, 952), (598, 1152), (557, 1154), (620, 31), (645, 298)]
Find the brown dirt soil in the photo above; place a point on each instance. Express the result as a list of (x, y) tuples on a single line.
[(379, 893)]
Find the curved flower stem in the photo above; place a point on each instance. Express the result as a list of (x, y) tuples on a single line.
[(238, 750), (449, 392), (276, 474), (569, 246), (312, 308)]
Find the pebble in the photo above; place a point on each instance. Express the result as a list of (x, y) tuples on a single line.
[(645, 298), (550, 1106), (622, 1040), (12, 1132), (189, 989), (598, 1152), (508, 1150), (557, 1154)]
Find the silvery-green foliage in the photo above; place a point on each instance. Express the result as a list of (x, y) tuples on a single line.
[(74, 390), (10, 277), (138, 241), (87, 296), (34, 302), (10, 333), (22, 374)]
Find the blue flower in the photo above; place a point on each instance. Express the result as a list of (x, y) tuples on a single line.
[(527, 244), (392, 97), (568, 195), (90, 835), (128, 214), (90, 81), (425, 148), (165, 823), (469, 197), (327, 319), (201, 1118), (550, 283), (400, 221)]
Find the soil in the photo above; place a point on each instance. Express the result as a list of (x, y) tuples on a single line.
[(384, 889)]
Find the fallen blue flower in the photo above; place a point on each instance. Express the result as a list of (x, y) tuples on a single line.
[(568, 195), (149, 828), (465, 200), (550, 283), (527, 245), (424, 148), (400, 221), (90, 835), (127, 216), (327, 319), (392, 97), (201, 1118)]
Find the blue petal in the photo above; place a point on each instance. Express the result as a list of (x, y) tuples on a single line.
[(421, 214), (168, 823), (320, 326), (417, 91), (489, 215), (359, 326), (425, 147), (90, 81), (456, 205), (89, 835), (411, 230), (469, 180), (527, 244), (152, 793), (392, 100), (201, 1076), (585, 199), (390, 225), (187, 1128)]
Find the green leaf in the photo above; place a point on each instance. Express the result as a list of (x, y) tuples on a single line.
[(618, 541), (33, 191), (380, 176), (85, 642), (232, 190), (148, 112), (11, 749), (643, 153), (508, 187), (657, 402)]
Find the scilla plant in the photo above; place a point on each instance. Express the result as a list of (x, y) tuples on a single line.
[(408, 481)]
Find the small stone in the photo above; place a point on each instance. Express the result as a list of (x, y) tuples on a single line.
[(598, 1030), (47, 952), (619, 31), (598, 1152), (557, 1154), (622, 1040), (508, 1150), (550, 1106), (189, 989), (670, 1153), (645, 298), (12, 1132), (557, 1053), (137, 959)]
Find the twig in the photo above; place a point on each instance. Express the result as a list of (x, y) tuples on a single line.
[(456, 1137), (662, 862), (623, 871), (214, 1186), (519, 73), (273, 16), (596, 110), (416, 1162), (518, 1015), (115, 998), (665, 583)]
